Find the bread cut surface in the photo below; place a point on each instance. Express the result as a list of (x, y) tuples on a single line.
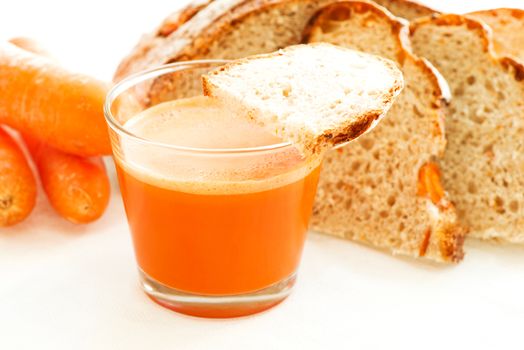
[(370, 190), (484, 160), (312, 95), (508, 30)]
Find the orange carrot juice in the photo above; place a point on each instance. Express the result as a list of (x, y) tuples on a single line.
[(219, 223)]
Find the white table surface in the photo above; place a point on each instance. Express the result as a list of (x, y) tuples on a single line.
[(64, 286)]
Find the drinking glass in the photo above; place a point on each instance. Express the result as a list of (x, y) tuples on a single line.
[(216, 232)]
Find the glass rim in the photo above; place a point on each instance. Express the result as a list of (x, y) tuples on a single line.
[(133, 79)]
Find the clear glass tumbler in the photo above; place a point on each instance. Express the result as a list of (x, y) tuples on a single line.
[(216, 232)]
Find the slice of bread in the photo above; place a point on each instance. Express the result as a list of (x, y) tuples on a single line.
[(484, 160), (371, 190), (508, 30), (315, 96), (406, 8)]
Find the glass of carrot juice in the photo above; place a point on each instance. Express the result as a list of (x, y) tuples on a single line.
[(217, 207)]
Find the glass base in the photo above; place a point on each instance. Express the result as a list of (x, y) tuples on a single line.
[(223, 306)]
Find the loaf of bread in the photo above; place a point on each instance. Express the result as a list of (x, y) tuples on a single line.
[(371, 191), (484, 160), (314, 96), (508, 30)]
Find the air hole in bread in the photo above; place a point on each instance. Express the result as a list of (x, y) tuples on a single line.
[(499, 205), (384, 214), (471, 80), (401, 227), (489, 86), (348, 203), (459, 91), (501, 96), (367, 143), (468, 136), (488, 151), (355, 165), (479, 119), (286, 91), (514, 206), (376, 155), (417, 111), (472, 188), (391, 200)]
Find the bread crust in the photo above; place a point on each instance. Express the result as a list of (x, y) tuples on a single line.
[(517, 13), (444, 240)]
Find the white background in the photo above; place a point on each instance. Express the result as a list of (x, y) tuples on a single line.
[(64, 286)]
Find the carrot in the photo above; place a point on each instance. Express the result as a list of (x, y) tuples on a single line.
[(17, 182), (77, 188), (51, 104), (429, 184)]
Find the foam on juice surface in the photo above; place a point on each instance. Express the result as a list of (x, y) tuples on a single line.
[(200, 122)]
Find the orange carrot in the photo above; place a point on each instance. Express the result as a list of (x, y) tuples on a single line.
[(78, 188), (51, 104), (429, 184), (17, 183)]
